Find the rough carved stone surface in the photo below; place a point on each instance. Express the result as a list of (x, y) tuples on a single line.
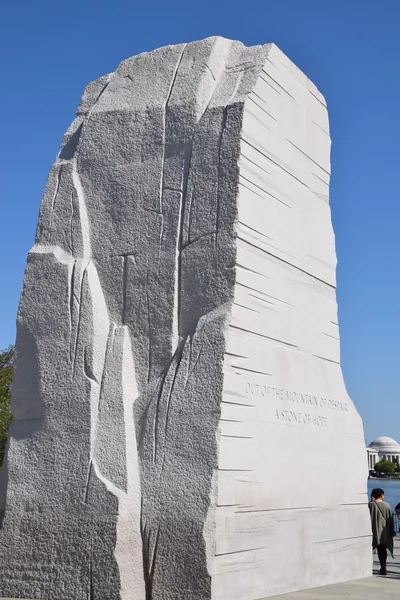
[(182, 430)]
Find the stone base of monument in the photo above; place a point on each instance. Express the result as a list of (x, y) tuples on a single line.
[(181, 428)]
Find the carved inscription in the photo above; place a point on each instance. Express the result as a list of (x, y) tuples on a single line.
[(296, 407)]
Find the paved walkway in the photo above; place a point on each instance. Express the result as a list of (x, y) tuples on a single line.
[(373, 588)]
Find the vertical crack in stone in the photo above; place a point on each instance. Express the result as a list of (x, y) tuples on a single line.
[(89, 473), (175, 323), (149, 554), (179, 243), (146, 555), (217, 210), (125, 264), (194, 366), (86, 250), (110, 339), (163, 394), (150, 340), (91, 590), (159, 391), (78, 324), (89, 112), (53, 204), (101, 93), (177, 277), (171, 389), (142, 424), (71, 225), (188, 215), (161, 216), (124, 284), (71, 298), (83, 215), (164, 124), (154, 555)]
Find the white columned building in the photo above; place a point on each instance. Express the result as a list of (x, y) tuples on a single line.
[(383, 448)]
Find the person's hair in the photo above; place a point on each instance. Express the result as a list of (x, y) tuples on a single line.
[(397, 508), (377, 493)]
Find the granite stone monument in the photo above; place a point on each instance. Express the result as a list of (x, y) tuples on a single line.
[(182, 429)]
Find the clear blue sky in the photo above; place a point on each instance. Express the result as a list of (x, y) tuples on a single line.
[(350, 49)]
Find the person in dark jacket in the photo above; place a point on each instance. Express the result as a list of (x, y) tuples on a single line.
[(382, 526)]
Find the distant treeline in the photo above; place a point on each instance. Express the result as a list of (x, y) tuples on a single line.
[(6, 377)]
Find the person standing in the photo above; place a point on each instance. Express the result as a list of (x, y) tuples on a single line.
[(397, 511), (382, 526)]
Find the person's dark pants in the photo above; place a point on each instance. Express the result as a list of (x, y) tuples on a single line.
[(382, 555)]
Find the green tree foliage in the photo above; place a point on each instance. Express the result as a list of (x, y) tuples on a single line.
[(385, 466), (6, 377)]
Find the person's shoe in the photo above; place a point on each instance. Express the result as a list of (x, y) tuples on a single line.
[(383, 571)]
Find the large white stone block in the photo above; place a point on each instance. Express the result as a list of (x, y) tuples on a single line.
[(182, 429)]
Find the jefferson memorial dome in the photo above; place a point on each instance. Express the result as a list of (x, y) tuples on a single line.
[(383, 448)]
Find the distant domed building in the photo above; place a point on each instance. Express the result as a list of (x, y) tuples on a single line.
[(383, 448)]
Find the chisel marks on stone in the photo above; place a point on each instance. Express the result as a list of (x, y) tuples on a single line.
[(264, 75)]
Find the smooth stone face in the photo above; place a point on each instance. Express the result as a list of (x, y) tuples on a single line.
[(182, 428)]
